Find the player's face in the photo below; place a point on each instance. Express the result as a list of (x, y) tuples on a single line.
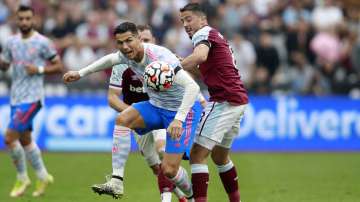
[(146, 36), (129, 44), (192, 22), (25, 21)]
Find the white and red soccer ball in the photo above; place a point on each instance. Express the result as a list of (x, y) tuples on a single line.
[(159, 76)]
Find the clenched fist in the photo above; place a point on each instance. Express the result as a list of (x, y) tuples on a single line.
[(71, 76)]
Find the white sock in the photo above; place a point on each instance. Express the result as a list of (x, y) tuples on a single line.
[(182, 181), (33, 154), (120, 149), (166, 197), (225, 168), (18, 157)]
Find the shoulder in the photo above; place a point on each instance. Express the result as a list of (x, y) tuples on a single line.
[(201, 34), (41, 38), (13, 39), (119, 69), (157, 52)]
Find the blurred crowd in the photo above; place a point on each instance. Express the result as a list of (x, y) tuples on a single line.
[(307, 47)]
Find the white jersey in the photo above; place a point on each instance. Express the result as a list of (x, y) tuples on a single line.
[(19, 52), (169, 99)]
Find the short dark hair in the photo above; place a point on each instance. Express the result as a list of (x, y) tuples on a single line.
[(194, 7), (126, 27), (144, 27), (23, 8)]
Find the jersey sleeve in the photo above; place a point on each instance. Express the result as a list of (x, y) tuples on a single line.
[(6, 53), (201, 36), (105, 62), (48, 51), (116, 75)]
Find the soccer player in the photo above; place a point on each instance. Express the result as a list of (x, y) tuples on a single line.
[(228, 99), (123, 81), (171, 109), (27, 53)]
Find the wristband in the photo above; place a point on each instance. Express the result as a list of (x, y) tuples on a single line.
[(41, 69)]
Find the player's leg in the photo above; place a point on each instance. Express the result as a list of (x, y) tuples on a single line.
[(171, 168), (32, 151), (17, 155), (227, 172), (160, 141), (125, 121), (175, 150), (220, 156), (217, 120), (166, 187), (147, 148), (33, 155), (21, 121)]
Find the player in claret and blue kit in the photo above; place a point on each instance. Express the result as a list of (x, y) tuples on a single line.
[(228, 100)]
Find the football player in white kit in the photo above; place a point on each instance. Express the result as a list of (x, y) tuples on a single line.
[(123, 82)]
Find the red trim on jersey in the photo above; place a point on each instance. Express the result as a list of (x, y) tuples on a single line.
[(151, 54)]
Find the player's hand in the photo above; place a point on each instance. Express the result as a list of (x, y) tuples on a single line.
[(71, 76), (31, 69), (175, 129), (203, 103)]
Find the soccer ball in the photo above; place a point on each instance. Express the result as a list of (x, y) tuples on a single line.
[(159, 76)]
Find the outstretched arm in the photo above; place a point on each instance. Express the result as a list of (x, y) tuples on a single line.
[(103, 63)]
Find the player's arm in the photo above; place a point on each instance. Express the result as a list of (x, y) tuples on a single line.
[(201, 97), (114, 99), (198, 56), (4, 66), (5, 58), (202, 100), (190, 95), (103, 63), (55, 66)]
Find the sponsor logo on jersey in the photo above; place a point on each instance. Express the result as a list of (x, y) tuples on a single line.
[(136, 89)]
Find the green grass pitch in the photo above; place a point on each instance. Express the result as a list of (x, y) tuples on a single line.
[(263, 177)]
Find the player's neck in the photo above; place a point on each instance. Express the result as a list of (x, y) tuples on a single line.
[(140, 54), (27, 35)]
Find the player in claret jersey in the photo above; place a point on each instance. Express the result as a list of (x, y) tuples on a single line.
[(125, 82), (228, 99)]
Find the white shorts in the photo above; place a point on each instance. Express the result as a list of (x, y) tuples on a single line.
[(146, 144), (159, 134), (219, 125)]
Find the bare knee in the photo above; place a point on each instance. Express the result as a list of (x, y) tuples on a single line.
[(122, 121), (219, 160), (169, 171), (9, 141), (10, 138), (25, 141), (198, 154), (220, 156)]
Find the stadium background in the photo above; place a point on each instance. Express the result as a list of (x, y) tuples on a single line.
[(300, 61)]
